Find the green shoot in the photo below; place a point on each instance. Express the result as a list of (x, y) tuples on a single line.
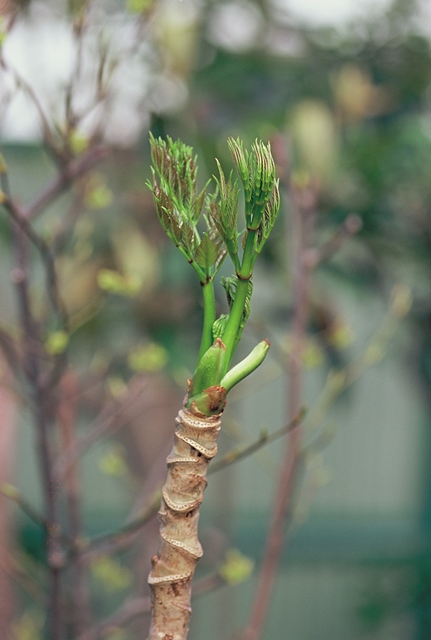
[(179, 205)]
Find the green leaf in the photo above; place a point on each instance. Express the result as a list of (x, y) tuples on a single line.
[(240, 158), (176, 198), (268, 219), (219, 326), (206, 253)]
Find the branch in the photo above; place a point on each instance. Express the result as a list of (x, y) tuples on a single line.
[(131, 609), (301, 234), (41, 411), (237, 454), (71, 172), (14, 494)]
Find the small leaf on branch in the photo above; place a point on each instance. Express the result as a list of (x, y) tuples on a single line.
[(236, 568), (148, 357), (97, 193), (57, 342), (115, 282), (111, 574)]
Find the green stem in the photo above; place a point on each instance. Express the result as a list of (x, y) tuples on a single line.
[(209, 317), (231, 333)]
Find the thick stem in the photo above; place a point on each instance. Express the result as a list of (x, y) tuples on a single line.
[(174, 565), (209, 317)]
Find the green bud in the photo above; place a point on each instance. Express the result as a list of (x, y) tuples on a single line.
[(219, 326), (210, 402), (209, 369), (246, 366)]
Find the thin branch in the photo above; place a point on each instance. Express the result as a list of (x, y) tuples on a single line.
[(350, 227), (67, 425), (107, 422), (132, 609), (301, 234), (14, 494), (68, 174), (39, 395), (26, 228), (237, 454), (121, 536)]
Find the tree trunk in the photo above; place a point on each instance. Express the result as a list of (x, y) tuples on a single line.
[(174, 565)]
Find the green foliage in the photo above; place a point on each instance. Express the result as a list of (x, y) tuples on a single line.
[(179, 204)]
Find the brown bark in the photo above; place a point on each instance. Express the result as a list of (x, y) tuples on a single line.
[(173, 567)]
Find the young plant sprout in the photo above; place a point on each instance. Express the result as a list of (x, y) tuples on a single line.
[(179, 205)]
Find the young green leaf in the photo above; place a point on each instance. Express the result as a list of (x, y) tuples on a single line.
[(206, 253)]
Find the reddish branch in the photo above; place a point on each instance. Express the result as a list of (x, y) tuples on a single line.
[(42, 409), (67, 175), (301, 232)]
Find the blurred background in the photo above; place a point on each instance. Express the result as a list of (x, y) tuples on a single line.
[(342, 90)]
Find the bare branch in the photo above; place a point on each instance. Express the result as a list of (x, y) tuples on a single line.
[(67, 175)]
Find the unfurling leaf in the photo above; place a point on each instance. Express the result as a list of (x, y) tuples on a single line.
[(206, 253), (230, 285), (241, 160), (174, 186), (223, 209), (219, 326), (268, 219)]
